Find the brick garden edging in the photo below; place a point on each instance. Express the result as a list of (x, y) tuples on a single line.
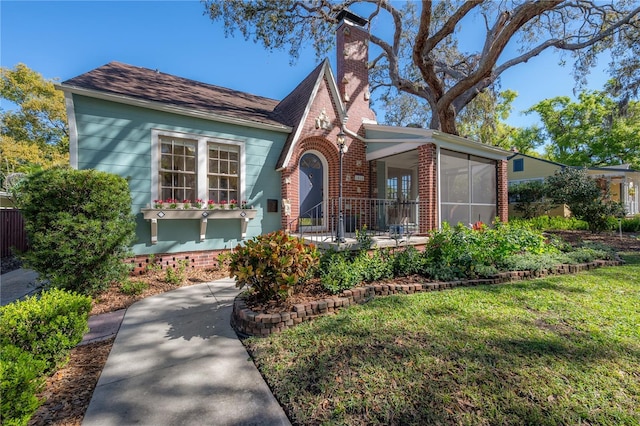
[(250, 323)]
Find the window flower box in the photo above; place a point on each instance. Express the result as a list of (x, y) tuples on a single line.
[(203, 215)]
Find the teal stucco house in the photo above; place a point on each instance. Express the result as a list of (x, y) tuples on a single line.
[(178, 139)]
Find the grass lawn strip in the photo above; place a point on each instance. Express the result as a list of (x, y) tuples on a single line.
[(561, 350)]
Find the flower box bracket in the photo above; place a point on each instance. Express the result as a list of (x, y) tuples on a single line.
[(203, 215)]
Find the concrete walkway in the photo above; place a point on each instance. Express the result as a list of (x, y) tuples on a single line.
[(17, 284), (176, 360)]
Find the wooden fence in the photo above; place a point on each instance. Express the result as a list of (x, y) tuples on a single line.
[(12, 233)]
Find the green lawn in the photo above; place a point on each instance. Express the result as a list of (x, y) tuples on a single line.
[(563, 350)]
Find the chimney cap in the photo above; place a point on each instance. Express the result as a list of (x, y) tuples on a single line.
[(352, 17)]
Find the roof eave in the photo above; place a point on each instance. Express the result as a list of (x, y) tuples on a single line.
[(159, 106)]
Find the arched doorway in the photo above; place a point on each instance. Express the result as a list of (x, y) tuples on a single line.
[(311, 190)]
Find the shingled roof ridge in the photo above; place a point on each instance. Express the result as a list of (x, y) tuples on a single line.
[(177, 77)]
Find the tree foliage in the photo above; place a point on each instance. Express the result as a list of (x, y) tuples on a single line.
[(587, 198), (79, 225), (35, 134), (530, 198), (420, 55), (592, 131)]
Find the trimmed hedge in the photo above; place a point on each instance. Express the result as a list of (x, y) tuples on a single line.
[(21, 379), (47, 327)]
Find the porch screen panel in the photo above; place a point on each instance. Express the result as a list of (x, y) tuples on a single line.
[(468, 188), (224, 173), (484, 194), (178, 168)]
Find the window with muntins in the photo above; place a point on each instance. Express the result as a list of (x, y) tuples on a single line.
[(224, 173), (178, 168), (188, 166)]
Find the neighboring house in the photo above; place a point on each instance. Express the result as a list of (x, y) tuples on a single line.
[(526, 168), (622, 180), (623, 184), (177, 138)]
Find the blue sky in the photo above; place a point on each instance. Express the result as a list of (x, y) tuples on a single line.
[(64, 39)]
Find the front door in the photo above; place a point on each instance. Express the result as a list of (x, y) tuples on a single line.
[(311, 190)]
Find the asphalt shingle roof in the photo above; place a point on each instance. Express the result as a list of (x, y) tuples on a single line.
[(121, 79)]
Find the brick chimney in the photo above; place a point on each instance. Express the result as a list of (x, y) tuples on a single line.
[(352, 47)]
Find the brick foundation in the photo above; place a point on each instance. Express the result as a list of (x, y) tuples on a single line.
[(251, 323), (196, 259)]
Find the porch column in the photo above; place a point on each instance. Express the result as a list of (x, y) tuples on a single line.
[(427, 187), (503, 191)]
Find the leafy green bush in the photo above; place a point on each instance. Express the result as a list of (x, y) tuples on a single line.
[(21, 379), (407, 261), (271, 265), (48, 327), (80, 227), (131, 287), (375, 266), (585, 198), (631, 224), (530, 198), (460, 252), (177, 275), (338, 272)]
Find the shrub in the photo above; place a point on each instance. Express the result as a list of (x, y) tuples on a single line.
[(178, 275), (631, 224), (132, 288), (448, 253), (407, 261), (272, 265), (47, 327), (21, 379), (375, 266), (460, 252), (585, 198), (338, 272), (529, 198), (80, 226)]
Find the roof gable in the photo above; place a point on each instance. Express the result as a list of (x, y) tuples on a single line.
[(137, 83), (296, 106)]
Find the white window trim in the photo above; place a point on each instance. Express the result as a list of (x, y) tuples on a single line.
[(202, 154)]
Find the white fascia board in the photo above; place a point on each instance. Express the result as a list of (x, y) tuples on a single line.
[(402, 146), (158, 106), (442, 140), (73, 130), (448, 141)]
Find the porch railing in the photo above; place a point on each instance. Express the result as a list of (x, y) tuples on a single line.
[(378, 216)]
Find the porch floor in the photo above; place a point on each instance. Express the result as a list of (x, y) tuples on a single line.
[(325, 241)]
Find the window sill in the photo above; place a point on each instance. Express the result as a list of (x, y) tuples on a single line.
[(203, 215)]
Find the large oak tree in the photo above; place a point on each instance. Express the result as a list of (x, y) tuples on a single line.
[(416, 44)]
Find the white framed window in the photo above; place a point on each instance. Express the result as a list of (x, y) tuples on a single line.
[(188, 166), (223, 176), (178, 173)]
